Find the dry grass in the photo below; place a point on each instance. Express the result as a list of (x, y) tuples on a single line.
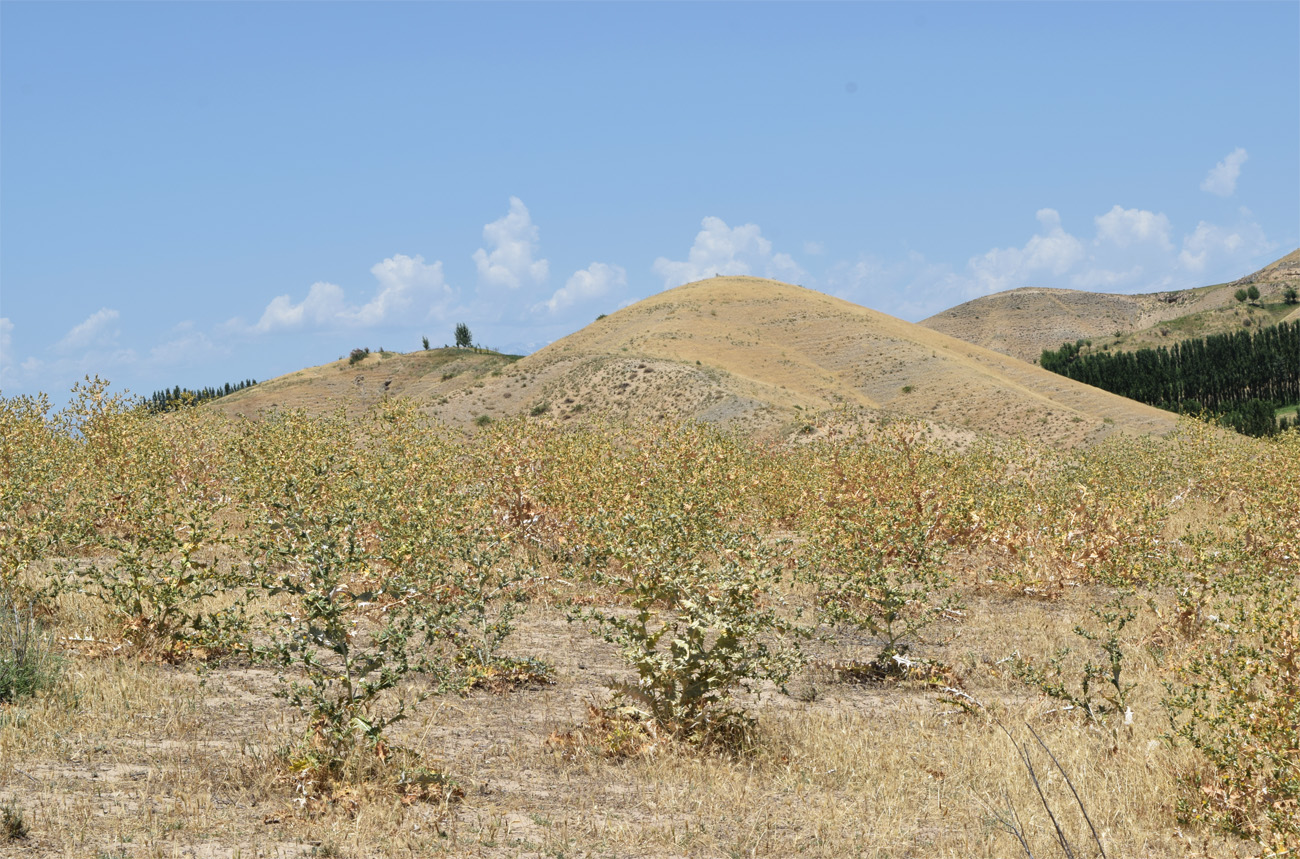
[(132, 759), (129, 757)]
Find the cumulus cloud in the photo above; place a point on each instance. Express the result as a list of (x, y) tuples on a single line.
[(323, 304), (1210, 244), (514, 240), (89, 347), (593, 281), (1125, 227), (408, 285), (99, 329), (1222, 178), (1052, 251), (409, 288), (720, 249), (1131, 248)]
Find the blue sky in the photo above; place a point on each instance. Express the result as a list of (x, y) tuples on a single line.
[(195, 193)]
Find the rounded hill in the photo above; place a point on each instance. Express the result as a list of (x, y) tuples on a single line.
[(758, 356)]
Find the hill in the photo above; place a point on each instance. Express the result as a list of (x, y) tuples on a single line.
[(430, 374), (763, 357), (1023, 322)]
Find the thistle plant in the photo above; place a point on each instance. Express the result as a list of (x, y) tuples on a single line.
[(1100, 691), (349, 640), (705, 622)]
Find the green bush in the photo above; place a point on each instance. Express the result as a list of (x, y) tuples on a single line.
[(165, 586), (12, 823), (352, 638), (706, 618)]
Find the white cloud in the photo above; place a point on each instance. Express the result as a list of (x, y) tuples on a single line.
[(7, 373), (90, 347), (513, 239), (323, 304), (593, 281), (1125, 227), (911, 288), (99, 329), (6, 339), (192, 347), (1132, 250), (410, 289), (1212, 247), (1051, 252), (1222, 178), (719, 249), (814, 249)]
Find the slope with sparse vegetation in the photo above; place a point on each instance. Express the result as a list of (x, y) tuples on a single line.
[(642, 639)]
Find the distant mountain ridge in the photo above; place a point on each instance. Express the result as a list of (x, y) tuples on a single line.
[(1023, 322)]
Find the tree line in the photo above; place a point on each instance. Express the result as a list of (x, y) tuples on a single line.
[(1239, 377), (172, 399)]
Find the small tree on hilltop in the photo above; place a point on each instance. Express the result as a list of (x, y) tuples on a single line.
[(1253, 293), (463, 338)]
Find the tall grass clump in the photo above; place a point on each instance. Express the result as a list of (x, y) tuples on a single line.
[(28, 662)]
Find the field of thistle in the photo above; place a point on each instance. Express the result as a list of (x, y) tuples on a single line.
[(376, 636)]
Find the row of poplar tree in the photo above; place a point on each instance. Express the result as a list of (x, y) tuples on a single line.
[(1240, 377), (166, 400)]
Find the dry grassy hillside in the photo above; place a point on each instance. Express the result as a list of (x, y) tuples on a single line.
[(431, 374), (759, 356), (1024, 322)]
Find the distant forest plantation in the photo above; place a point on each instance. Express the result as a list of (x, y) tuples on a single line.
[(1241, 378), (170, 400)]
